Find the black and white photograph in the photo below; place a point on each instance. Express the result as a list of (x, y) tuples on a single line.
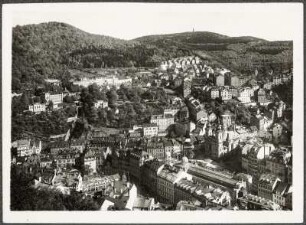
[(152, 112)]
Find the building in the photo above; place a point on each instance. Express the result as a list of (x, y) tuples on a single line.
[(168, 147), (277, 131), (254, 202), (196, 110), (45, 163), (66, 160), (186, 87), (278, 164), (37, 107), (256, 162), (104, 80), (27, 147), (183, 114), (137, 159), (166, 180), (90, 162), (23, 148), (155, 149), (277, 80), (225, 94), (149, 172), (207, 174), (92, 183), (53, 82), (214, 93), (213, 144), (226, 119), (262, 122), (233, 92), (289, 198), (219, 80), (234, 81), (101, 103), (281, 195), (162, 121), (244, 95), (150, 130), (243, 79), (58, 146), (266, 185), (171, 110), (184, 190), (143, 204), (56, 99), (261, 96), (77, 144)]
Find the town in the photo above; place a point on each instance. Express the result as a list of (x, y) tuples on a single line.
[(185, 135)]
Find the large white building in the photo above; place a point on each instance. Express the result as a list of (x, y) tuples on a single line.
[(150, 130), (109, 81), (162, 121), (56, 99)]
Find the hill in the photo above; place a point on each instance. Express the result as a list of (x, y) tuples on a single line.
[(49, 50), (240, 54), (203, 37)]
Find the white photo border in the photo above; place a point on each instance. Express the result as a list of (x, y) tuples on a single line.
[(296, 215)]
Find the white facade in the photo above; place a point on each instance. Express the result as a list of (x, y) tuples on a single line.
[(277, 131), (214, 93), (244, 95), (101, 103), (162, 121), (150, 130), (37, 108), (111, 81), (226, 94), (56, 98), (91, 162)]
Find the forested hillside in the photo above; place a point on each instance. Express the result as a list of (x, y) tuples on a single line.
[(240, 54), (48, 50)]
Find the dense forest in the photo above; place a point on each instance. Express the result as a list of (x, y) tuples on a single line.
[(47, 50), (25, 197), (239, 54)]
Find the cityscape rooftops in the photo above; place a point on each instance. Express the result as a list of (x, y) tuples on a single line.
[(267, 178), (280, 156), (149, 125), (282, 188)]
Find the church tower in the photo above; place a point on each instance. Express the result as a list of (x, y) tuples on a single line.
[(219, 141)]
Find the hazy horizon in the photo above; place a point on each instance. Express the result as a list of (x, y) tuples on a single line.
[(132, 20)]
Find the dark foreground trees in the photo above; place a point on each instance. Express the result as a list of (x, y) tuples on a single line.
[(24, 197)]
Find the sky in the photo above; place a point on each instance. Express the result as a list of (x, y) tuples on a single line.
[(131, 20)]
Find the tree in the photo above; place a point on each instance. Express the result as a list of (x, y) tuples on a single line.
[(36, 99), (112, 97), (68, 99), (24, 102), (93, 89), (50, 106), (42, 99), (177, 130)]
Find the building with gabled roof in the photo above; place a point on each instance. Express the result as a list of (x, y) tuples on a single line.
[(166, 180), (266, 184)]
